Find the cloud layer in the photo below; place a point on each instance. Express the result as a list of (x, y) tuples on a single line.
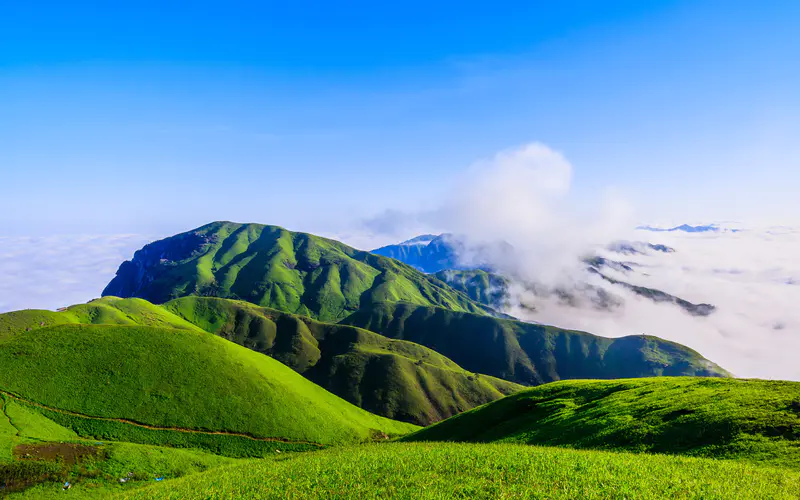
[(56, 271), (523, 196)]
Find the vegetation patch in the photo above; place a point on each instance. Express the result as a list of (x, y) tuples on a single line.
[(750, 420), (448, 470)]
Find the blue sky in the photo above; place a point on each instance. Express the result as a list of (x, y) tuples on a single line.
[(140, 117)]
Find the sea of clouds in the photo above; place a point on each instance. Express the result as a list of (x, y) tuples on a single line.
[(523, 196), (56, 271)]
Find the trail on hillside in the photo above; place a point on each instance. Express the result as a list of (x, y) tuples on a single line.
[(152, 427)]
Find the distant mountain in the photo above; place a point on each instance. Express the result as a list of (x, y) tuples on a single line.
[(637, 247), (686, 228), (431, 254), (527, 353), (272, 267), (440, 256)]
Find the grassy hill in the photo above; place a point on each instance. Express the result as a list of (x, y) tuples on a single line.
[(448, 470), (105, 311), (754, 420), (175, 386), (272, 267), (528, 353), (394, 378)]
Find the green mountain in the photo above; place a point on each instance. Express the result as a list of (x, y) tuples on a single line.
[(481, 286), (166, 385), (754, 420), (392, 378), (272, 267), (528, 353)]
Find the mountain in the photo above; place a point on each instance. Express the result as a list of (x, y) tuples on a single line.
[(755, 420), (661, 297), (427, 253), (637, 247), (493, 290), (445, 255), (528, 353), (272, 267), (172, 386), (686, 228), (392, 378), (431, 254), (479, 285)]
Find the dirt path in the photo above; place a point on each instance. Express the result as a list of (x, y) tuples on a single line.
[(10, 421), (145, 426)]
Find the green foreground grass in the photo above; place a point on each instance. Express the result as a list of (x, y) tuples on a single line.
[(754, 420), (447, 470)]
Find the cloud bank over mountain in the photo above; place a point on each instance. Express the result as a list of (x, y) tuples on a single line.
[(522, 196)]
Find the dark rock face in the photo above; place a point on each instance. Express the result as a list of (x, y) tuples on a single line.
[(134, 276)]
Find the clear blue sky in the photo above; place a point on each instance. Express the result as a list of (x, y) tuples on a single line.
[(142, 117)]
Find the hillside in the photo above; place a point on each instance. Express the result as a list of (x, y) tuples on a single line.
[(394, 378), (174, 386), (754, 420), (528, 353), (450, 470), (272, 267)]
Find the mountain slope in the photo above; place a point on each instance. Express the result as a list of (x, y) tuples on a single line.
[(272, 267), (528, 353), (137, 381), (755, 420), (394, 378)]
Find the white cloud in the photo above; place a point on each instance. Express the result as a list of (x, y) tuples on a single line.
[(522, 196), (56, 271)]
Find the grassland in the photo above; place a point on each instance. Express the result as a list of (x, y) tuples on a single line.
[(393, 378), (753, 420), (528, 353), (176, 378), (272, 267), (446, 470)]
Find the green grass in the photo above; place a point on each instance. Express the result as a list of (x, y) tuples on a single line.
[(177, 379), (528, 353), (103, 311), (446, 470), (272, 267), (753, 420), (394, 378), (96, 477)]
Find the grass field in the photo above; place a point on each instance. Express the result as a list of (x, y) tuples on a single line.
[(753, 420), (447, 470), (395, 378), (179, 379)]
